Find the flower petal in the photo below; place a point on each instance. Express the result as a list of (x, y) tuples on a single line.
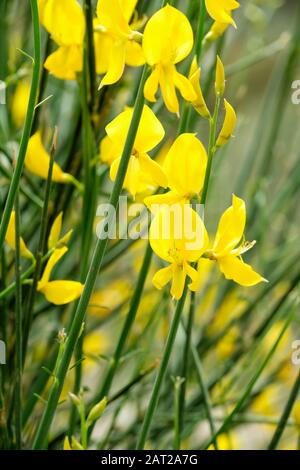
[(151, 85), (179, 276), (66, 62), (64, 20), (111, 16), (10, 238), (234, 268), (168, 90), (116, 64), (153, 171), (37, 160), (231, 227), (62, 292), (184, 86), (168, 37), (150, 131), (155, 202), (134, 55), (55, 231), (162, 277), (52, 261), (228, 125), (185, 165)]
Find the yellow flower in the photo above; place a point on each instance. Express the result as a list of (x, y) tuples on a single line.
[(228, 125), (58, 292), (54, 239), (225, 250), (226, 442), (199, 103), (178, 236), (10, 238), (216, 31), (142, 170), (220, 10), (108, 151), (20, 102), (220, 78), (185, 166), (115, 40), (167, 40), (64, 20), (37, 161)]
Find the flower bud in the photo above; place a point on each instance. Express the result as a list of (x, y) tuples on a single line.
[(97, 411), (220, 78)]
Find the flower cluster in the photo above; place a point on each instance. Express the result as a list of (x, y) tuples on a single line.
[(177, 233)]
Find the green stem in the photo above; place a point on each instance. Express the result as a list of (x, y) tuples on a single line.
[(178, 384), (18, 326), (162, 371), (90, 53), (206, 396), (211, 149), (47, 418), (135, 302), (27, 127), (185, 361), (41, 248), (285, 415), (200, 30)]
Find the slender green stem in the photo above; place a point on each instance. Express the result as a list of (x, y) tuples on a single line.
[(200, 30), (45, 423), (286, 414), (211, 149), (178, 383), (135, 302), (40, 249), (185, 360), (27, 127), (18, 326), (162, 371), (90, 53), (206, 396), (87, 92)]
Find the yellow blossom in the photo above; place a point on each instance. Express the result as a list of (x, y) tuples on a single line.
[(10, 238), (225, 249), (142, 170), (217, 30), (37, 161), (20, 102), (58, 292), (221, 10), (199, 103), (228, 125), (115, 39), (178, 236), (54, 239), (167, 40), (64, 20), (185, 166)]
